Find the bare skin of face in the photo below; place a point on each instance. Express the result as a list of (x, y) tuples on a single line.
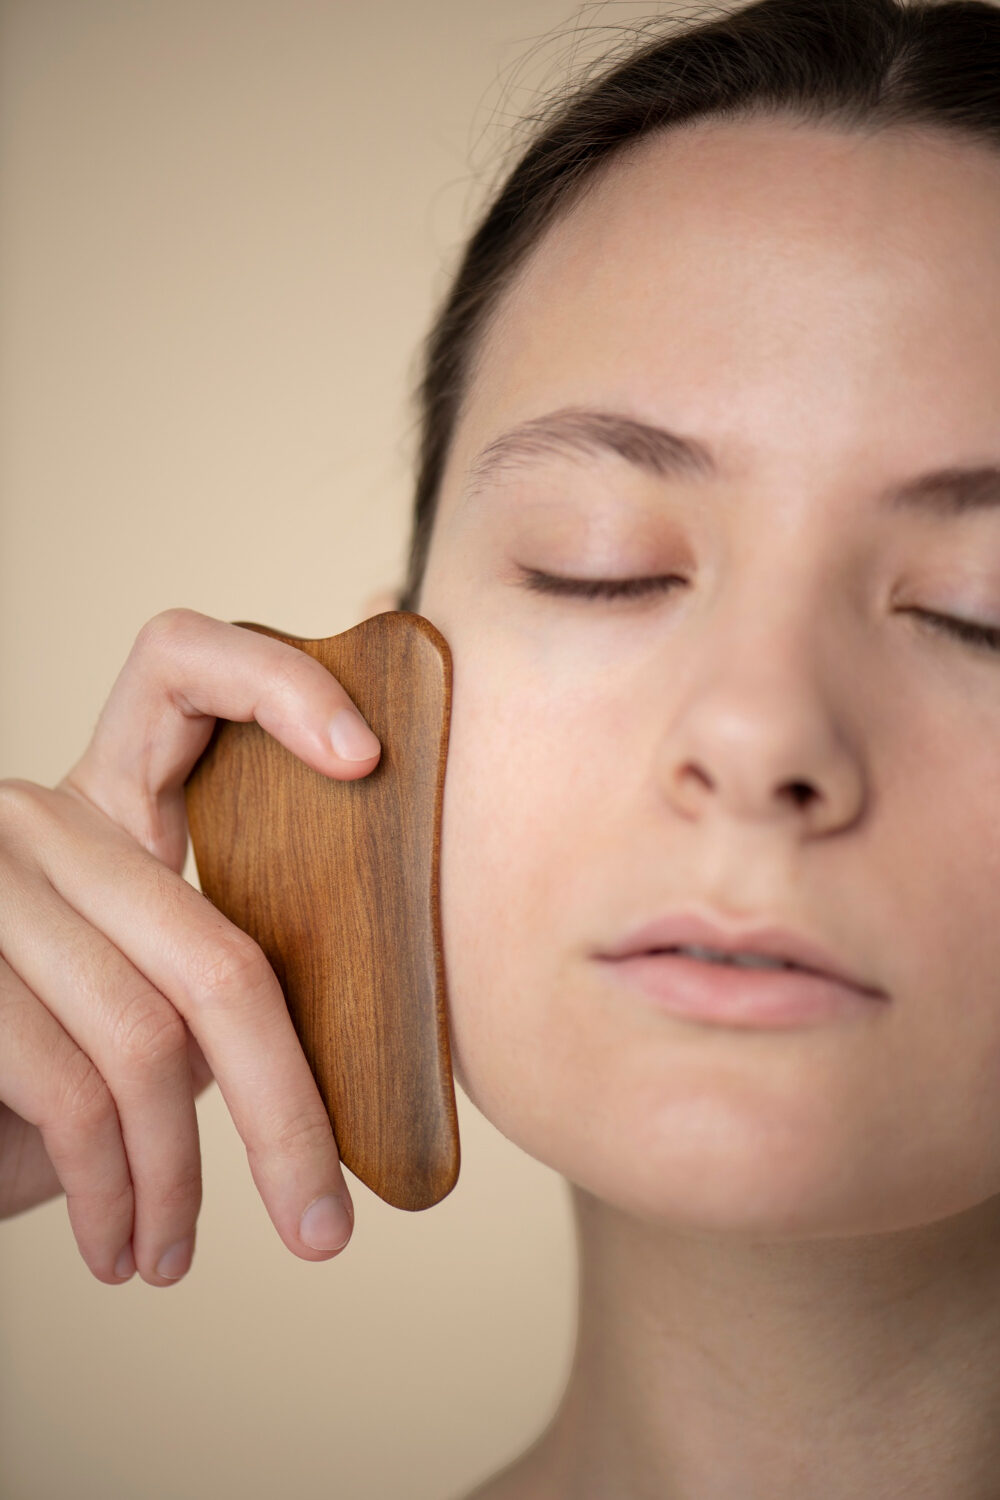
[(789, 1238)]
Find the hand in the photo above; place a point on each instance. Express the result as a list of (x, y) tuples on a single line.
[(124, 991)]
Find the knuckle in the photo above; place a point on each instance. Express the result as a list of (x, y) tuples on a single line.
[(303, 1135), (101, 1218), (149, 1033), (83, 1100), (184, 1190), (112, 1197), (295, 673), (163, 631), (227, 967)]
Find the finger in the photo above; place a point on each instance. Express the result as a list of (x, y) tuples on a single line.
[(220, 982), (47, 1080), (201, 1073), (27, 1176), (184, 671), (138, 1044)]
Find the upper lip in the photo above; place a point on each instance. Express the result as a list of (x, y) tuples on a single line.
[(710, 931)]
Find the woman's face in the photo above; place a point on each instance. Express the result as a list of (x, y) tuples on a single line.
[(820, 311)]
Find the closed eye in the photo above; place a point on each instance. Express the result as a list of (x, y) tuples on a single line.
[(596, 588), (985, 637), (970, 632)]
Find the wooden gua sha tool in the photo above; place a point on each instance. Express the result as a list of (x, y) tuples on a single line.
[(338, 883)]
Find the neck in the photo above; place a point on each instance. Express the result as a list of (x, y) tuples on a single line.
[(707, 1367)]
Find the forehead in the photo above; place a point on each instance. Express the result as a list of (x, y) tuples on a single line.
[(744, 276)]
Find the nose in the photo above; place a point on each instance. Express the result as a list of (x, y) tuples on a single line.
[(765, 737)]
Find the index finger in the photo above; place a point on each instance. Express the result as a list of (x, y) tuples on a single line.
[(184, 671)]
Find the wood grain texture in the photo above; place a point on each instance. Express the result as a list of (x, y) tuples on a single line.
[(338, 883)]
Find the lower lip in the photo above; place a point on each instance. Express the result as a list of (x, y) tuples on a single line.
[(729, 996)]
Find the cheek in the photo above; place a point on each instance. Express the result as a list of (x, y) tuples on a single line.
[(517, 831)]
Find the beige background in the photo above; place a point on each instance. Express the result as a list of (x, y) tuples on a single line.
[(225, 224)]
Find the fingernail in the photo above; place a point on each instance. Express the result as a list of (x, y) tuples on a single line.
[(174, 1262), (125, 1264), (352, 739), (326, 1224)]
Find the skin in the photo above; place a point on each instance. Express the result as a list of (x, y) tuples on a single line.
[(789, 1239), (789, 1281)]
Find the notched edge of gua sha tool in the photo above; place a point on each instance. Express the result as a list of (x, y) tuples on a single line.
[(338, 882)]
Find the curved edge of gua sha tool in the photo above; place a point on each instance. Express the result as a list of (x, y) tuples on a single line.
[(338, 882)]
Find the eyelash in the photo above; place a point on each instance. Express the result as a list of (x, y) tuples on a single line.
[(981, 637), (596, 588)]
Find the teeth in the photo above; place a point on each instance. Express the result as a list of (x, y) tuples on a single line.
[(740, 960)]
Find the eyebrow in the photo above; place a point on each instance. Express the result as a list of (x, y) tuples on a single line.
[(572, 432)]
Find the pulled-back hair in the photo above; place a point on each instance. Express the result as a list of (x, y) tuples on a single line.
[(855, 64)]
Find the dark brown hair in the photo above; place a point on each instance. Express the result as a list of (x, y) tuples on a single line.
[(856, 64)]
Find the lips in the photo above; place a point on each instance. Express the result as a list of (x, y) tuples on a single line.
[(697, 927)]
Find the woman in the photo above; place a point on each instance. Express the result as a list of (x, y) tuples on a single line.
[(707, 512)]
